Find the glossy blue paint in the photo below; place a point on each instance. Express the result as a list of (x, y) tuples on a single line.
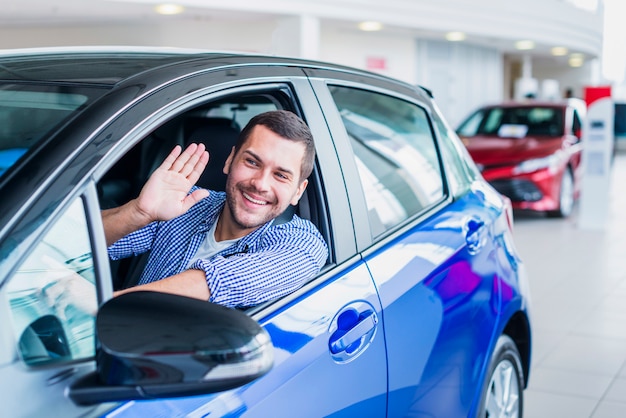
[(439, 312), (306, 371)]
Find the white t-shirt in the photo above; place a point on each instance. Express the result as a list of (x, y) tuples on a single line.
[(210, 247)]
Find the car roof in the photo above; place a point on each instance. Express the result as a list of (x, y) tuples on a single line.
[(109, 65)]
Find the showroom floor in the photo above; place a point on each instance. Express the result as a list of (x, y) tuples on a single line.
[(578, 285)]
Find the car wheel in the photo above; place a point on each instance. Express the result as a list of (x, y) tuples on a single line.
[(503, 395), (566, 196)]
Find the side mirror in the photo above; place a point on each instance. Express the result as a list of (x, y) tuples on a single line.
[(157, 345)]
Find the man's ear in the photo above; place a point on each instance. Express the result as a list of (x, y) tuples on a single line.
[(299, 192), (229, 160)]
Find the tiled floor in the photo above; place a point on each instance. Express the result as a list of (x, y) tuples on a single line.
[(578, 285)]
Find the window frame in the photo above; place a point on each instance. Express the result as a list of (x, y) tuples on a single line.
[(365, 238)]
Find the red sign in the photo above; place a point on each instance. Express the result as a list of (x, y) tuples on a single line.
[(596, 93), (376, 63)]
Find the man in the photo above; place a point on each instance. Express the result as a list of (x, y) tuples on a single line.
[(224, 246)]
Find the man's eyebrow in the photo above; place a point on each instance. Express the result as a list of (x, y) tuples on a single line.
[(255, 156)]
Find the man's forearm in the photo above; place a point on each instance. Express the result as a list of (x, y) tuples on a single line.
[(190, 283), (121, 221)]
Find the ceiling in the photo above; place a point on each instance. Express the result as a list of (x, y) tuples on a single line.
[(50, 13)]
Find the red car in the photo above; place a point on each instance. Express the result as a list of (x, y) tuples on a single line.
[(529, 151)]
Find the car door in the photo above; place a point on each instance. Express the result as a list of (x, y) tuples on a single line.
[(48, 303), (330, 357), (430, 256)]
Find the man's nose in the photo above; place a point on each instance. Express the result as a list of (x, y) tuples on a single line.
[(261, 180)]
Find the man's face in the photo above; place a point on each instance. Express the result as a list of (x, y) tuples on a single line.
[(263, 180)]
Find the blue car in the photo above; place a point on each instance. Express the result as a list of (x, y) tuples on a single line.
[(422, 307)]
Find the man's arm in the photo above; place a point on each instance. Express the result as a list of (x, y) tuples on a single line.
[(163, 197), (190, 283), (293, 255)]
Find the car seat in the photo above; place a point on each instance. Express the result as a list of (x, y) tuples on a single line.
[(219, 135)]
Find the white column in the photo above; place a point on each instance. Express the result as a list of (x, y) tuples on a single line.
[(527, 66), (297, 36), (526, 85)]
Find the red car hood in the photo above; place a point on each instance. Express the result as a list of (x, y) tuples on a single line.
[(494, 150)]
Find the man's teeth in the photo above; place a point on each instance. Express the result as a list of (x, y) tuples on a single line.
[(258, 202)]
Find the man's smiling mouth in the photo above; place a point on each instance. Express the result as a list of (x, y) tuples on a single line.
[(253, 200)]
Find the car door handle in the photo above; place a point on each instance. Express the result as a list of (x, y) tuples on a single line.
[(354, 331), (475, 235)]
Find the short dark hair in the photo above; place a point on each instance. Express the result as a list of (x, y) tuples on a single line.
[(289, 126)]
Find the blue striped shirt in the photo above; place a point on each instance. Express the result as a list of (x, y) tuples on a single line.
[(268, 263)]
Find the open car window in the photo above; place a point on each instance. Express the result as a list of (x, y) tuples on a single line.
[(217, 124)]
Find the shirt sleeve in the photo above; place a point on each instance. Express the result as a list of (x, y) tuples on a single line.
[(135, 243), (288, 257)]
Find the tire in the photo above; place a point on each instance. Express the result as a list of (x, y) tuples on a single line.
[(566, 196), (503, 395)]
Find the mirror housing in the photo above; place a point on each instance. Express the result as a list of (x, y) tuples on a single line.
[(158, 345)]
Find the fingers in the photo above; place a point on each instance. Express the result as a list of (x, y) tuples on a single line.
[(190, 163), (199, 164), (196, 162), (171, 158), (179, 164)]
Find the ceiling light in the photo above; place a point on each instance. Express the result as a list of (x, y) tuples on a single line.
[(524, 45), (169, 9), (559, 51), (576, 60), (455, 36), (370, 26)]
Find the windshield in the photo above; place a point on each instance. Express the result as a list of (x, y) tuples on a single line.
[(31, 113), (514, 122)]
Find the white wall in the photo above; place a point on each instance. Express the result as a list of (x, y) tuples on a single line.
[(356, 49), (461, 77)]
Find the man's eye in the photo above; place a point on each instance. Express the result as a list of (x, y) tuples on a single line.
[(251, 162)]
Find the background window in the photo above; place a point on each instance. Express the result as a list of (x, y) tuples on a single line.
[(395, 154)]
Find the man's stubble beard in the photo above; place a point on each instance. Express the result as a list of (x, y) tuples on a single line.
[(231, 203)]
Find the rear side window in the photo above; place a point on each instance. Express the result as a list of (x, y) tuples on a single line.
[(395, 153), (460, 169)]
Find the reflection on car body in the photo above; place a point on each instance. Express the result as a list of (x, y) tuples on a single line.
[(423, 296)]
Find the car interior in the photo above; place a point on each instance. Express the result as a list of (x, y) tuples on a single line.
[(216, 124)]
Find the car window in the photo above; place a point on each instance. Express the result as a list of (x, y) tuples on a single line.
[(217, 124), (515, 122), (469, 127), (52, 294), (395, 153), (30, 112), (460, 169)]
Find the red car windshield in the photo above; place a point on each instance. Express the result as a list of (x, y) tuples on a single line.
[(514, 122)]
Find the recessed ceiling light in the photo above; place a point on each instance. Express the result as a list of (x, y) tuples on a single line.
[(169, 9), (576, 60), (524, 45), (559, 51), (455, 36), (370, 26)]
